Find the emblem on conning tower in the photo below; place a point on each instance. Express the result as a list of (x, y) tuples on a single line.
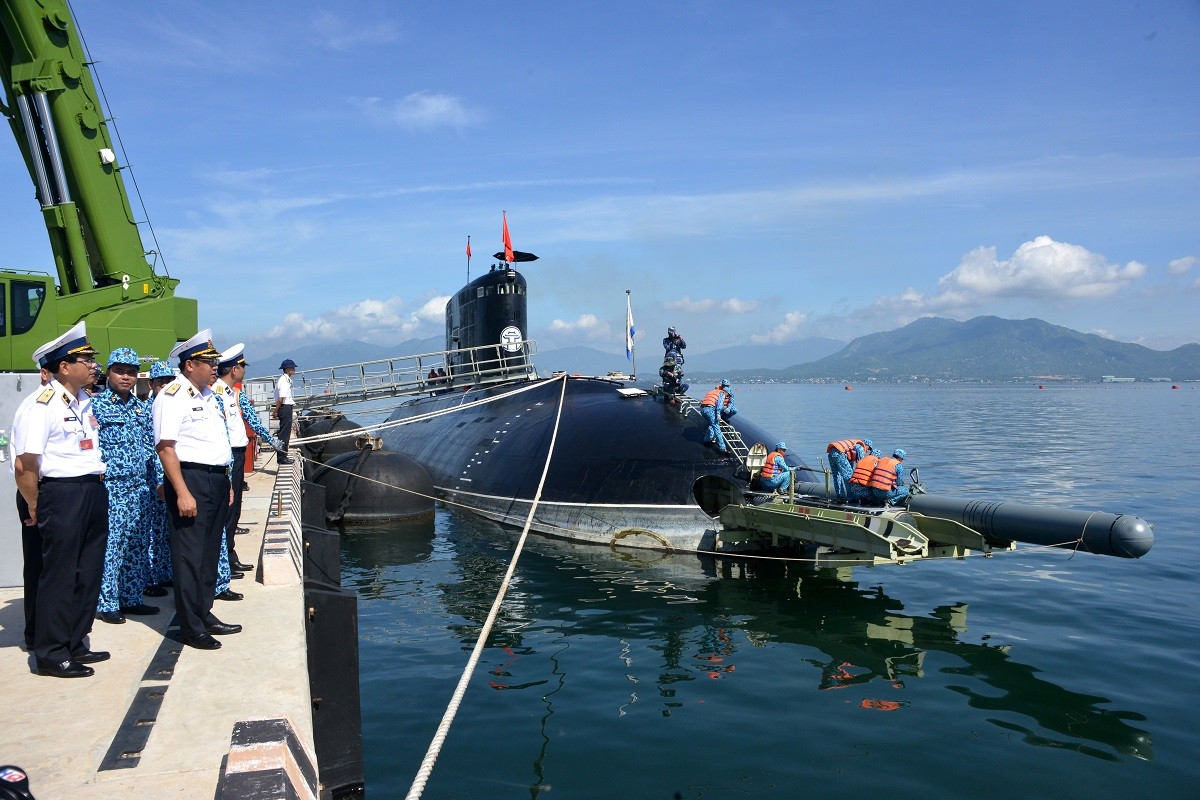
[(511, 337)]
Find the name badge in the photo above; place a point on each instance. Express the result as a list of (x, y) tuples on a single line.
[(86, 444)]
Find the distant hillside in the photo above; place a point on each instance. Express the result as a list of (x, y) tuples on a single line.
[(332, 355), (994, 349)]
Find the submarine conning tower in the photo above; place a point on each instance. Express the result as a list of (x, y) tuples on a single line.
[(490, 310)]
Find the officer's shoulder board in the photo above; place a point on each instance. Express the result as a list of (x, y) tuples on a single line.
[(45, 396), (171, 390), (219, 387)]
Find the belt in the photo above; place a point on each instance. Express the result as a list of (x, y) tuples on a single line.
[(75, 479), (238, 449), (221, 468)]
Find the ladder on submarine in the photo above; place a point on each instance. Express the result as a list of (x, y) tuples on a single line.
[(733, 439)]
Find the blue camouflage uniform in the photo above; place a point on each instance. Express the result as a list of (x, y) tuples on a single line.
[(782, 479), (723, 409), (125, 433), (160, 532), (673, 346)]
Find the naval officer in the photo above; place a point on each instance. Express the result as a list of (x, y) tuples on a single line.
[(239, 412), (191, 440), (31, 538), (61, 481)]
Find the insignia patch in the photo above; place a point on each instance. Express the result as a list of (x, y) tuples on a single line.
[(171, 390), (45, 396)]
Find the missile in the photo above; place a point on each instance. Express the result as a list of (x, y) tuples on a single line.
[(1121, 535)]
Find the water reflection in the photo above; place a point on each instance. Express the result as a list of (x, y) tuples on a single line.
[(371, 551), (703, 617)]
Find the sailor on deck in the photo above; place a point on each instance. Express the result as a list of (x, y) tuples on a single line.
[(191, 439), (887, 479), (61, 480), (161, 574), (285, 403), (717, 405), (843, 455), (673, 346), (31, 538), (775, 473)]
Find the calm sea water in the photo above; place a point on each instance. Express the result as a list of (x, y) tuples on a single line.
[(1031, 674)]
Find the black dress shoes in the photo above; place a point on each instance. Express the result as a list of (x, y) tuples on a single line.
[(240, 529), (230, 594), (155, 591), (234, 575), (223, 628), (240, 567), (202, 642), (140, 610), (90, 657), (66, 669), (111, 617)]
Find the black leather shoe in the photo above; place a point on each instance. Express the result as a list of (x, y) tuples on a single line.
[(90, 657), (155, 591), (66, 669), (140, 610), (223, 628), (202, 642), (111, 617), (240, 529), (234, 575), (230, 594), (240, 567)]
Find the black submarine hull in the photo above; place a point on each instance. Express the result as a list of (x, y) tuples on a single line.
[(623, 472)]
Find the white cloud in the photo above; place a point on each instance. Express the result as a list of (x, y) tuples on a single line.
[(588, 328), (366, 320), (731, 305), (785, 331), (421, 111), (345, 32), (1039, 270), (1182, 265)]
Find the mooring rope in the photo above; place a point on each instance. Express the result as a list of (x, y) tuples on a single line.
[(435, 746)]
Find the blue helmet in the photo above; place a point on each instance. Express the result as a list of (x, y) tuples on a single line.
[(780, 446), (671, 331), (161, 369), (899, 453), (723, 383), (870, 445), (123, 355)]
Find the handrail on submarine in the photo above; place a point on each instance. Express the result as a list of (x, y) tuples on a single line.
[(408, 375)]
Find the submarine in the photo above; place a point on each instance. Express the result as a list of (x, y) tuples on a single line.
[(629, 465)]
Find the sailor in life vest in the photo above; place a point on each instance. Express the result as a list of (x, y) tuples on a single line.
[(717, 405), (775, 473), (887, 479), (843, 455)]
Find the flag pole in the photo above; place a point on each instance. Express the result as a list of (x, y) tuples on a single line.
[(629, 331), (468, 258)]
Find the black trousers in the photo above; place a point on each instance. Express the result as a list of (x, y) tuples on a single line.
[(73, 523), (31, 550), (285, 424), (237, 477), (196, 547)]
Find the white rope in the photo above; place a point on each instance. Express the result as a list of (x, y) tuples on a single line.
[(435, 746)]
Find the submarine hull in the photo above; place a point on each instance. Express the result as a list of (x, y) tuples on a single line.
[(623, 470)]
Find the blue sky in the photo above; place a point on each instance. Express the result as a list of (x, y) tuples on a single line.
[(752, 171)]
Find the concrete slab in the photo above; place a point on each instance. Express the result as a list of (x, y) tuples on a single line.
[(155, 721)]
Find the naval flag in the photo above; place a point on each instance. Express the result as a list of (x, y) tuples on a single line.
[(508, 251), (629, 328)]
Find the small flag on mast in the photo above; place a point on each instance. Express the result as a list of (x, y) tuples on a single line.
[(468, 248), (508, 251), (630, 330)]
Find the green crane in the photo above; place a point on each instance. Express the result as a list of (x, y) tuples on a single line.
[(102, 274)]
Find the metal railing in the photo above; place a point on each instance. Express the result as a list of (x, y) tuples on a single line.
[(409, 375)]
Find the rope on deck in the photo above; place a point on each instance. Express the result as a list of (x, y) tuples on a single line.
[(435, 746)]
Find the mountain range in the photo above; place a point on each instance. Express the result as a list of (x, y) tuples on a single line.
[(931, 348)]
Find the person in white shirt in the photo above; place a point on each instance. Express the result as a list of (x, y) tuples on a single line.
[(284, 405)]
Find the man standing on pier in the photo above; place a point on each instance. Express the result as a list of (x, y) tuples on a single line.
[(284, 405), (192, 442), (61, 478)]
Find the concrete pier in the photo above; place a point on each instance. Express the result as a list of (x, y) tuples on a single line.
[(156, 720)]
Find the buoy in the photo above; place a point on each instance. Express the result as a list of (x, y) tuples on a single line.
[(849, 388), (373, 487), (1175, 386), (1041, 387)]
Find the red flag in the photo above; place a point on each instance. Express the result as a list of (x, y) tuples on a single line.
[(508, 251), (468, 248)]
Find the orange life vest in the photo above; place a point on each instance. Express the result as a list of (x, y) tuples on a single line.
[(846, 448), (862, 472), (713, 398), (769, 470), (883, 476)]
